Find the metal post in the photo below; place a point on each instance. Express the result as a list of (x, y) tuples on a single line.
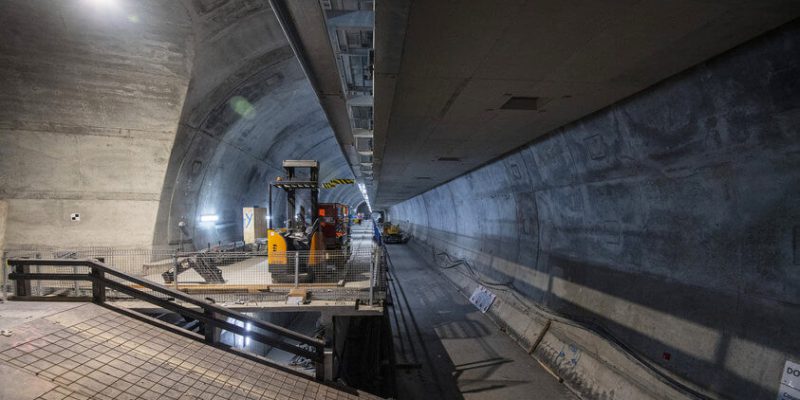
[(327, 322), (23, 285), (38, 282), (380, 270), (296, 268), (175, 268), (319, 366), (98, 286), (372, 266), (212, 333), (5, 278), (75, 283)]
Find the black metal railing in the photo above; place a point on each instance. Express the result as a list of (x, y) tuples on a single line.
[(230, 276), (214, 318)]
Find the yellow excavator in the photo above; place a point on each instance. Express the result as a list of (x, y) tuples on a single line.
[(393, 234), (297, 246)]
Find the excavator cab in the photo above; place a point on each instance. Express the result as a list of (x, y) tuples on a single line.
[(393, 234)]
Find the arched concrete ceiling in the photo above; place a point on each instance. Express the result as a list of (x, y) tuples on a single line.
[(445, 107), (249, 107)]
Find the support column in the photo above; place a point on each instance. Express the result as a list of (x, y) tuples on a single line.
[(3, 216), (98, 286), (211, 330), (326, 320), (23, 285), (4, 281)]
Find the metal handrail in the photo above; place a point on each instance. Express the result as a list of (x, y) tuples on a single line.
[(210, 315)]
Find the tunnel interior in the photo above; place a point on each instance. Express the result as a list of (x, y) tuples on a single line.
[(655, 238), (240, 121), (668, 220)]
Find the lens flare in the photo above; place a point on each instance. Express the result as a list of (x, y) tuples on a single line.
[(241, 106)]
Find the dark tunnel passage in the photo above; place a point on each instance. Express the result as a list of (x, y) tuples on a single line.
[(668, 220)]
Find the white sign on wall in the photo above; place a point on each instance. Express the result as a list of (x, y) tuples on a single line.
[(254, 224), (483, 299), (789, 388)]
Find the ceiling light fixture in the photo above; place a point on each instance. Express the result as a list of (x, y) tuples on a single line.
[(209, 218), (104, 3)]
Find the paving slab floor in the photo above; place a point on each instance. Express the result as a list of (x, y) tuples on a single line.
[(446, 349), (84, 351)]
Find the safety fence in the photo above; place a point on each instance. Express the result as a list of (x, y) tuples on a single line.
[(223, 276)]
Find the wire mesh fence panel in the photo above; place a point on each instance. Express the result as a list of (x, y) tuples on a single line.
[(49, 288), (131, 261), (337, 275), (54, 288), (224, 277)]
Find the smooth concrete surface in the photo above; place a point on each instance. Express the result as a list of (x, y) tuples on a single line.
[(90, 352), (89, 109), (15, 313), (3, 218), (447, 349), (140, 114), (17, 384), (249, 107), (314, 45), (668, 221), (444, 72)]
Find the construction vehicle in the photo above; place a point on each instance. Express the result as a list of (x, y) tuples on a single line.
[(392, 234), (311, 250), (335, 226), (296, 236)]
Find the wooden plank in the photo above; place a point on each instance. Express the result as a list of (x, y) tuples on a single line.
[(251, 288)]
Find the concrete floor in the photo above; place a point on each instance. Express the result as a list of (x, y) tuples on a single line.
[(83, 351), (447, 349), (15, 313)]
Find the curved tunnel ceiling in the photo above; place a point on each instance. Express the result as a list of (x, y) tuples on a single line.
[(235, 132), (477, 81)]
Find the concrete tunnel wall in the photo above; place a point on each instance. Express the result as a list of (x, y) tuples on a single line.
[(671, 220), (94, 98), (249, 107), (90, 98)]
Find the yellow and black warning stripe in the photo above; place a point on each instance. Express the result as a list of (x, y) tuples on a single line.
[(335, 182)]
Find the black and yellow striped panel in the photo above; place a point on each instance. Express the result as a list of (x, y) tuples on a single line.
[(334, 182)]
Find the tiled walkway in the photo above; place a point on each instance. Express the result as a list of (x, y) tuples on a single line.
[(89, 352)]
